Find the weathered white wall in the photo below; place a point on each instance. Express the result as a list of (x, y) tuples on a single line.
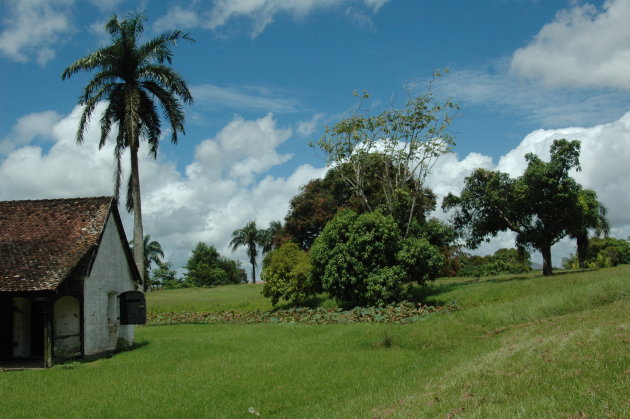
[(67, 326), (110, 276)]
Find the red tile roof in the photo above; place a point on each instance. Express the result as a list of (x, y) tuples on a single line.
[(42, 241)]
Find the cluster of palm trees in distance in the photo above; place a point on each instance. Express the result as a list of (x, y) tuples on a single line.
[(251, 238)]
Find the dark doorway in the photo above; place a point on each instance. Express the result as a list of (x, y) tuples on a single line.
[(6, 327), (38, 325)]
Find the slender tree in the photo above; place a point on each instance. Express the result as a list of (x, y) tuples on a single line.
[(250, 238), (133, 77)]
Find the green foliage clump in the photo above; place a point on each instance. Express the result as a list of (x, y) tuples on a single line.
[(286, 274), (602, 253), (503, 261), (166, 276), (207, 268), (364, 259)]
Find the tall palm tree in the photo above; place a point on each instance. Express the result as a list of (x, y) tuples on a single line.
[(132, 77), (270, 237), (250, 238), (153, 253)]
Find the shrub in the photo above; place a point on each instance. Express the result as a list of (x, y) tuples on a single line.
[(207, 268), (503, 261), (286, 274), (363, 259)]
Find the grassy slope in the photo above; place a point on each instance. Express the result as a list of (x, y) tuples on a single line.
[(534, 347)]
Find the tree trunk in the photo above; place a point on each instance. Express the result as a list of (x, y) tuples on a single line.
[(138, 233), (253, 273), (582, 249), (547, 266)]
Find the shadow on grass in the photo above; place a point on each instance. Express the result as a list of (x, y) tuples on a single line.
[(73, 363)]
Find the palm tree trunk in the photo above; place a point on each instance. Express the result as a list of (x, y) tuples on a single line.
[(138, 233), (253, 273)]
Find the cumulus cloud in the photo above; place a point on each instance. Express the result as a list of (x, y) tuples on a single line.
[(260, 12), (38, 125), (222, 188), (582, 47), (32, 28)]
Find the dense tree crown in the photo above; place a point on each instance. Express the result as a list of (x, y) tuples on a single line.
[(133, 77), (320, 199), (207, 268), (286, 272), (542, 206), (364, 259)]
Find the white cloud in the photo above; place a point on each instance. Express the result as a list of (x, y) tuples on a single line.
[(306, 128), (245, 97), (32, 28), (177, 18), (260, 12), (243, 149), (582, 47), (219, 191), (28, 128)]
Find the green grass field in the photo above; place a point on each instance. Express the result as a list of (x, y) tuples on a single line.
[(520, 347)]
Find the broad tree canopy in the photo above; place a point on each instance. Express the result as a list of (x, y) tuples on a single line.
[(542, 206)]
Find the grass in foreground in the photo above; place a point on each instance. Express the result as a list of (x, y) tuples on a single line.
[(533, 347)]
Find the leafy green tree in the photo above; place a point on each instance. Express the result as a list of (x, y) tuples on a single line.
[(166, 276), (132, 77), (153, 254), (539, 206), (207, 268), (320, 199), (408, 140), (286, 273), (364, 259), (590, 216)]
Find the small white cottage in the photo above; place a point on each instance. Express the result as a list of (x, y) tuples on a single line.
[(67, 280)]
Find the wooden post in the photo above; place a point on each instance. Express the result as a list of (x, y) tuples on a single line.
[(48, 335)]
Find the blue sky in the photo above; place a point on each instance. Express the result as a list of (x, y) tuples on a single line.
[(268, 75)]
